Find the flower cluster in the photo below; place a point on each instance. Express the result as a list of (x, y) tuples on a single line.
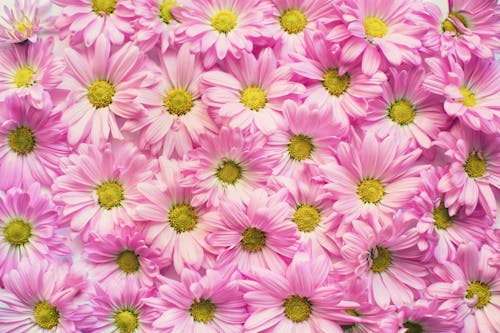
[(230, 166)]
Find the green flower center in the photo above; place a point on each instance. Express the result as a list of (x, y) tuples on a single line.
[(402, 112), (178, 102), (253, 239), (224, 21), (306, 217), (297, 308), (448, 25), (17, 232), (336, 85), (46, 315), (413, 327), (293, 21), (165, 10), (23, 77), (21, 140), (381, 259), (469, 97), (475, 166), (202, 310), (253, 98), (128, 261), (100, 93), (300, 147), (182, 218), (375, 27), (481, 290), (103, 6), (127, 320), (370, 190), (442, 219), (229, 172), (110, 194)]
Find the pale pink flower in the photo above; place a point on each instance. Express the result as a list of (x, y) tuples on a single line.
[(24, 21), (426, 316)]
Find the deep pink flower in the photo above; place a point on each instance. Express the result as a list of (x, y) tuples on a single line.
[(426, 316)]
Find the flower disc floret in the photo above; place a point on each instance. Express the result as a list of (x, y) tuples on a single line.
[(293, 21), (46, 315), (297, 309), (22, 140), (202, 310), (17, 232), (253, 239)]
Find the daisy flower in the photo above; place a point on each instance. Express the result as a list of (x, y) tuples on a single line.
[(175, 116), (39, 297), (229, 166), (474, 170), (217, 28), (378, 32), (253, 235), (174, 222), (103, 87), (471, 91), (30, 70), (29, 222), (24, 21), (372, 177), (343, 88), (209, 303), (86, 20), (387, 259), (32, 142), (426, 316), (251, 93), (472, 287), (98, 187), (407, 110)]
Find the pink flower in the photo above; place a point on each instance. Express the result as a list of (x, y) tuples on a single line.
[(32, 142), (250, 92), (98, 188), (426, 316), (175, 116), (473, 173), (209, 303), (254, 235), (24, 21), (39, 297)]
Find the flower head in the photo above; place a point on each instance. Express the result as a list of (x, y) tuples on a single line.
[(24, 21)]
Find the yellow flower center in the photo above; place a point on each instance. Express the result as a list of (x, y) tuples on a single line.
[(17, 232), (202, 310), (300, 147), (413, 327), (448, 25), (127, 320), (224, 21), (23, 77), (178, 102), (442, 219), (306, 217), (46, 315), (103, 6), (402, 112), (253, 239), (469, 97), (21, 140), (297, 309), (475, 166), (182, 218), (375, 27), (128, 261), (370, 190), (335, 84), (24, 27), (229, 172), (381, 259), (110, 194), (481, 290), (293, 21), (100, 93), (253, 98), (165, 10)]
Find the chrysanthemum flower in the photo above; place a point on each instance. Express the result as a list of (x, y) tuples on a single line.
[(86, 20), (407, 110), (209, 303), (387, 259), (174, 222), (474, 170), (39, 297), (216, 28), (98, 188), (344, 89), (254, 235), (472, 287), (251, 93), (426, 316), (32, 142), (175, 116), (30, 70), (103, 85), (378, 32), (24, 21), (29, 222), (229, 166), (372, 177), (472, 91)]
